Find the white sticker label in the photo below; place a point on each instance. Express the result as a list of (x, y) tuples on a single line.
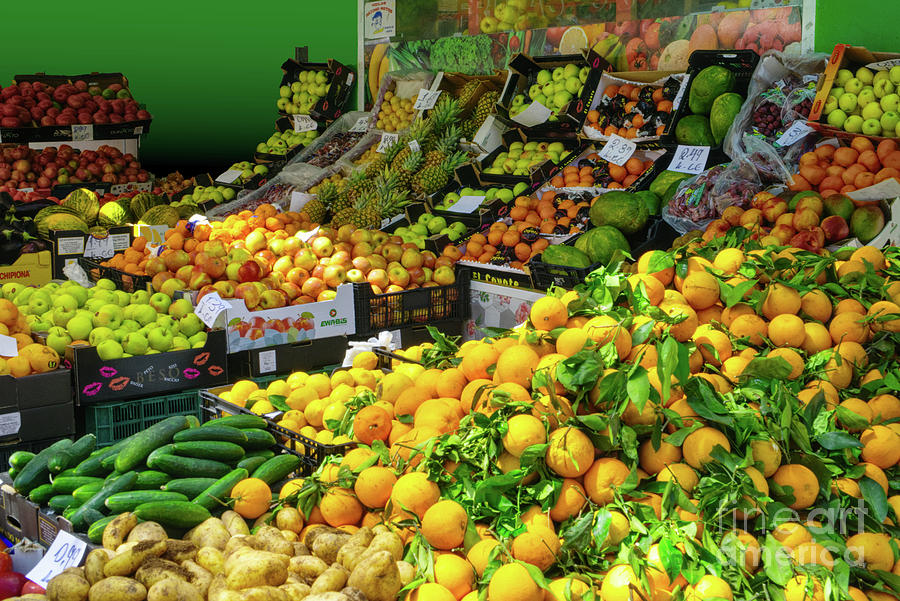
[(387, 140), (414, 146), (618, 150), (299, 200), (810, 78), (304, 123), (689, 159), (99, 248), (229, 176), (8, 346), (466, 204), (139, 130), (10, 423), (70, 246), (535, 114), (267, 362), (797, 131), (26, 190), (65, 552), (361, 126), (884, 65), (307, 236), (426, 99), (210, 307), (82, 133), (120, 241), (349, 78)]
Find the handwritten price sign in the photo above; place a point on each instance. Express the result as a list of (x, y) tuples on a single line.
[(65, 552), (690, 159), (210, 307), (426, 99), (387, 140), (304, 123), (618, 150)]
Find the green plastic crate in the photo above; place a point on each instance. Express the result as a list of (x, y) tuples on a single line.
[(111, 422)]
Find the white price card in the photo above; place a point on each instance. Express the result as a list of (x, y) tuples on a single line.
[(387, 140), (617, 150), (82, 133), (299, 200), (229, 176), (65, 552), (689, 159), (304, 123), (466, 204), (8, 346), (426, 99), (361, 126), (414, 146), (209, 308), (10, 423), (267, 362), (307, 236), (535, 114), (884, 65), (99, 248), (797, 131)]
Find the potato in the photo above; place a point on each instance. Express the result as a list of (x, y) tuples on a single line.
[(29, 597), (179, 550), (211, 533), (235, 523), (387, 541), (172, 589), (126, 563), (262, 520), (300, 549), (93, 565), (326, 546), (332, 579), (212, 560), (307, 567), (295, 590), (155, 569), (327, 596), (268, 538), (200, 577), (216, 587), (115, 532), (147, 531), (362, 537), (118, 588), (350, 555), (317, 530), (377, 577), (289, 518), (290, 536), (256, 568), (354, 594), (263, 593), (125, 547), (236, 542), (407, 572), (68, 587), (79, 571)]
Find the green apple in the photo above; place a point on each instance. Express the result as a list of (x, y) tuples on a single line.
[(894, 74), (38, 305), (108, 315), (573, 85), (122, 298), (79, 293), (872, 111), (853, 86), (98, 335), (848, 102), (167, 322), (891, 102), (61, 317), (866, 97), (836, 118), (831, 104), (190, 324), (180, 308), (180, 343), (160, 339), (543, 77), (865, 75), (853, 124), (836, 92), (129, 325), (57, 339), (105, 284), (843, 76), (109, 350), (79, 327), (871, 127), (889, 121), (10, 290), (198, 340), (883, 87), (519, 188), (103, 294), (436, 224), (144, 314)]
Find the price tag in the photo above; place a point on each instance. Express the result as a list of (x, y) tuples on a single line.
[(689, 159), (70, 246), (466, 204), (10, 423), (414, 146), (267, 362), (229, 176), (535, 114), (209, 308), (307, 236), (426, 99), (304, 123), (617, 150), (65, 552), (299, 200), (387, 140), (8, 346), (361, 126), (810, 79), (26, 190), (139, 130), (82, 133), (797, 131), (884, 65), (99, 248)]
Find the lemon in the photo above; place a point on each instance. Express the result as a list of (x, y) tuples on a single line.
[(392, 385), (301, 397), (309, 432), (324, 437), (321, 382), (366, 360), (262, 407), (297, 379), (242, 389), (362, 377), (278, 388), (412, 370), (341, 377), (313, 413), (342, 393), (333, 411)]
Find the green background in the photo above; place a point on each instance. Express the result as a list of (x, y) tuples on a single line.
[(869, 23), (207, 71)]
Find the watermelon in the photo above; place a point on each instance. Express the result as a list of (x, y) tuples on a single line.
[(112, 214), (161, 215), (603, 244), (143, 202), (85, 203)]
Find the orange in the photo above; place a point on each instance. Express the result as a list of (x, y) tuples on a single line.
[(709, 586), (791, 534), (290, 487), (373, 486), (621, 583), (572, 498), (660, 263), (444, 525), (409, 401), (683, 330), (548, 313), (787, 330), (699, 444), (604, 329), (880, 313), (455, 574), (729, 260), (340, 508), (252, 497), (681, 474), (436, 414), (479, 554), (854, 353), (566, 588), (881, 446), (538, 546), (372, 423), (570, 452), (414, 493), (792, 357), (749, 326), (816, 305), (848, 326), (804, 588), (767, 453), (603, 477), (714, 345), (409, 446), (781, 299), (653, 289), (760, 484), (872, 549), (729, 314), (355, 458), (512, 582), (476, 362), (701, 290), (523, 431), (430, 591), (450, 383), (849, 305), (746, 549), (654, 460), (884, 407), (871, 255), (817, 338), (860, 408), (516, 365), (802, 481)]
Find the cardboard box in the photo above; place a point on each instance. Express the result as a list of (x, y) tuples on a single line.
[(844, 56), (128, 378), (19, 515), (71, 245), (496, 274), (32, 269), (36, 407), (305, 355)]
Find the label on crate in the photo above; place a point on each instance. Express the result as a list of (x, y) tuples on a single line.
[(466, 204), (139, 130), (65, 552), (426, 99), (229, 176), (617, 150), (387, 140), (70, 246), (884, 65), (26, 190), (8, 346), (689, 159), (797, 131), (82, 133), (361, 126), (414, 146), (535, 114), (99, 248), (210, 307), (10, 423), (120, 241), (304, 123), (267, 362), (299, 200)]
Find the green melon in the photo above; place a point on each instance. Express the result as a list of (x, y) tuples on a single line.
[(707, 85), (622, 210), (85, 203), (603, 244), (567, 256), (724, 111), (161, 215), (61, 222), (111, 215), (143, 202), (694, 130)]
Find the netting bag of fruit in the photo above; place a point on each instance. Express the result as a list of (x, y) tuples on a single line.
[(336, 141)]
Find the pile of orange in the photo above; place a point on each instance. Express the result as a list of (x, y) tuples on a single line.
[(606, 175), (32, 358), (635, 117), (830, 170)]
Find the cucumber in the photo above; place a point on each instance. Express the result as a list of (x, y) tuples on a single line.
[(237, 421), (60, 503), (166, 449), (193, 422), (127, 501), (251, 463), (136, 451), (264, 453), (190, 487), (13, 472), (226, 452), (186, 467), (110, 487), (214, 496), (95, 531), (78, 452), (90, 515), (109, 462), (69, 511), (64, 485), (222, 433), (177, 514), (20, 459), (93, 465), (151, 480), (276, 468), (83, 493), (257, 439), (68, 472), (41, 494), (36, 471)]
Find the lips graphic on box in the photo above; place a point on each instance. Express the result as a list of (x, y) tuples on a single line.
[(246, 333)]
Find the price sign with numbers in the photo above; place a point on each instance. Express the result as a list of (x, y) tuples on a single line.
[(304, 123), (210, 307), (689, 159), (82, 133), (361, 126), (617, 150), (387, 140), (229, 176), (426, 99), (99, 248), (65, 552), (797, 131), (414, 146)]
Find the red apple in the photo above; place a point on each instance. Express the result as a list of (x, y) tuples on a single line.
[(249, 293), (835, 228)]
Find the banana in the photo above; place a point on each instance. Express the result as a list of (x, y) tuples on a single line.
[(378, 54)]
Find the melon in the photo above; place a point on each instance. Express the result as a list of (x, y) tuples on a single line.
[(724, 110), (143, 202), (112, 214), (622, 210), (566, 256), (603, 244), (161, 215), (675, 56), (84, 202), (61, 222)]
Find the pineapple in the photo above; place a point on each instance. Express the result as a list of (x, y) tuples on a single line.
[(485, 107), (362, 216), (432, 179), (411, 165), (468, 90), (315, 210), (446, 145), (418, 131)]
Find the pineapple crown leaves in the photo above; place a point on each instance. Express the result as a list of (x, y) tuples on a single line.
[(449, 140), (327, 191), (445, 112), (387, 180), (412, 162), (394, 149), (457, 159)]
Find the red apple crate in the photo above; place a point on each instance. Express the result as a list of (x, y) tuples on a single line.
[(123, 281)]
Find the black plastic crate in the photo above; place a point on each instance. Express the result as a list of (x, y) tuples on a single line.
[(35, 446), (417, 307), (311, 453), (305, 355), (123, 281)]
